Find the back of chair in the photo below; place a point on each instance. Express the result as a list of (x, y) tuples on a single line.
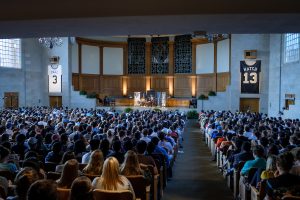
[(63, 194), (112, 195), (50, 166), (290, 197), (53, 176), (139, 186)]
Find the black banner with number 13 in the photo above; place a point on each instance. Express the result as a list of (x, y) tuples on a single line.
[(250, 77)]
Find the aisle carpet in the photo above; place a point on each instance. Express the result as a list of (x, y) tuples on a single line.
[(195, 177)]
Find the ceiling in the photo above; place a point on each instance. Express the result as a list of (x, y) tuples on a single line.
[(35, 18)]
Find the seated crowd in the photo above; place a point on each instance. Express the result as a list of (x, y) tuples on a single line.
[(265, 151), (45, 150)]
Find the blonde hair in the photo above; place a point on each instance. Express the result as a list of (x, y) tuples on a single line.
[(131, 165), (271, 163), (95, 165), (111, 174), (69, 174)]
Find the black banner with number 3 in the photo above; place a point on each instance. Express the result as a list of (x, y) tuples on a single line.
[(250, 77)]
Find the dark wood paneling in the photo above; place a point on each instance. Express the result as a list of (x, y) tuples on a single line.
[(136, 84), (205, 83), (160, 83), (251, 104), (222, 81), (89, 83), (75, 81), (55, 101), (111, 86), (182, 86)]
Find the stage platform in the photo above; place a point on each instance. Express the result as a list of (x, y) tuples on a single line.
[(121, 108)]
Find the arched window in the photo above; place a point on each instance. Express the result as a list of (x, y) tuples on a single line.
[(291, 47), (10, 53)]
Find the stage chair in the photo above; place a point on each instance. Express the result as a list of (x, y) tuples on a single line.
[(236, 179), (140, 187), (53, 175), (63, 194), (112, 195)]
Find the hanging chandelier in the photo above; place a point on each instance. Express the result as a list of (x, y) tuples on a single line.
[(51, 42)]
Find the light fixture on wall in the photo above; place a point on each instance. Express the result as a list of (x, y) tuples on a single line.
[(51, 42)]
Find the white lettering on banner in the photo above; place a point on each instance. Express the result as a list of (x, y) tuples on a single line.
[(55, 78)]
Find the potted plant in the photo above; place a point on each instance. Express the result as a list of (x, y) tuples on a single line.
[(82, 92), (202, 97), (128, 110), (212, 93)]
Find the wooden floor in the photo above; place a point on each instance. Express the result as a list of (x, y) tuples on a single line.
[(195, 176)]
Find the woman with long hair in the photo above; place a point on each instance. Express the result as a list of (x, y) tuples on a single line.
[(95, 165), (69, 174), (131, 165), (111, 178)]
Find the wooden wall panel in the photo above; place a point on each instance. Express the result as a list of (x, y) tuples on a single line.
[(89, 83), (75, 81), (205, 83), (183, 86), (110, 86), (160, 84), (178, 102), (222, 81), (136, 84)]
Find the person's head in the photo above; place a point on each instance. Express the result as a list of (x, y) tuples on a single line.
[(94, 144), (79, 147), (43, 189), (56, 147), (273, 150), (117, 145), (271, 163), (150, 147), (155, 140), (4, 153), (141, 146), (68, 155), (111, 174), (23, 181), (81, 189), (95, 163), (104, 146), (131, 165), (285, 162), (246, 146), (258, 151), (20, 139), (69, 173)]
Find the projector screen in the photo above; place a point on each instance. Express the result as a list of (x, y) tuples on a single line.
[(112, 61), (205, 58)]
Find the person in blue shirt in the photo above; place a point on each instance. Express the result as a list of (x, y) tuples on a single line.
[(258, 162), (4, 164)]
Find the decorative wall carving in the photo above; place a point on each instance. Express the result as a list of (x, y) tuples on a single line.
[(183, 54), (136, 56), (160, 55)]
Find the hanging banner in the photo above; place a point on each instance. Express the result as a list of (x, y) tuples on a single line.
[(250, 77), (55, 77)]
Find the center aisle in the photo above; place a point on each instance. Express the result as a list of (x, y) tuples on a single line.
[(194, 175)]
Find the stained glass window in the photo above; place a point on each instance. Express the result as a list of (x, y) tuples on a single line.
[(160, 55), (183, 54), (136, 56)]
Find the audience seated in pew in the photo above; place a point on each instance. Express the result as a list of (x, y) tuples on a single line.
[(269, 138), (58, 140)]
